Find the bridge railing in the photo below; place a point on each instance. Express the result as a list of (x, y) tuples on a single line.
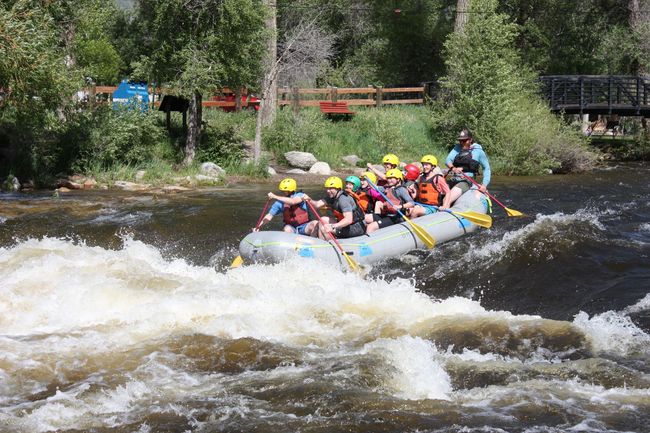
[(597, 93)]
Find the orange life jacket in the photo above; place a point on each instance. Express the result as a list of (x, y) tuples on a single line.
[(363, 200), (392, 200), (295, 215), (428, 192)]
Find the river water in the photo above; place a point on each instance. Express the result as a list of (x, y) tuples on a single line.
[(118, 313)]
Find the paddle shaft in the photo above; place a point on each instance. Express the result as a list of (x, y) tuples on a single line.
[(486, 191), (266, 205)]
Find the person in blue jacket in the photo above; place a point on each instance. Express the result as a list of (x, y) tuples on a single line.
[(465, 158)]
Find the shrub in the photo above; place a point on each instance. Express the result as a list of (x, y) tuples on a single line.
[(123, 136), (488, 90)]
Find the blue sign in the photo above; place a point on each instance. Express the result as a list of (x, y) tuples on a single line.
[(131, 93)]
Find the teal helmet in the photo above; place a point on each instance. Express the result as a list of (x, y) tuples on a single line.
[(355, 181)]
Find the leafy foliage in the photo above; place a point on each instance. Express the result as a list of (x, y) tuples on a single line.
[(489, 90)]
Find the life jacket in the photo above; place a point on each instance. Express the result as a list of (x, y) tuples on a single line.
[(294, 215), (428, 192), (363, 199), (357, 213), (464, 159), (393, 200)]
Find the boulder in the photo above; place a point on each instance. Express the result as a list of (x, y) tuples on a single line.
[(352, 160), (130, 186), (300, 159), (321, 168), (271, 171), (296, 171), (70, 184), (90, 183), (139, 175), (212, 169)]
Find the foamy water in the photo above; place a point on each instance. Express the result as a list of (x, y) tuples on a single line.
[(98, 323)]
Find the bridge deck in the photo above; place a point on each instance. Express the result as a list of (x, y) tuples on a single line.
[(598, 94)]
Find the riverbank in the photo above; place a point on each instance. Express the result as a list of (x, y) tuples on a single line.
[(341, 147)]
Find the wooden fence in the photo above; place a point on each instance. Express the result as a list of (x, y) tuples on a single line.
[(374, 96)]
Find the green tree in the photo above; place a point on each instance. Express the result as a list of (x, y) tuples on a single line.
[(489, 90), (198, 46)]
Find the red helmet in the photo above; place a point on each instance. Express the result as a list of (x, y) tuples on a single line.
[(412, 172)]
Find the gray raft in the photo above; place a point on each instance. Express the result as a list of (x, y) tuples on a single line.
[(275, 246)]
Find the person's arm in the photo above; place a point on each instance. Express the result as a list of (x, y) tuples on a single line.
[(487, 171), (449, 161), (316, 203), (380, 175), (347, 207), (286, 200), (403, 195), (276, 208), (441, 185)]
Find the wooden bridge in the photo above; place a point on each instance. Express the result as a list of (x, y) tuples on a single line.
[(598, 94)]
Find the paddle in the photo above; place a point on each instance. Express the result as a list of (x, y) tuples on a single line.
[(510, 212), (422, 234), (477, 218), (353, 265), (238, 260)]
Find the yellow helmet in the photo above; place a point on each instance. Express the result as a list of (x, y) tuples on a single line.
[(390, 159), (397, 174), (370, 176), (429, 159), (334, 182), (288, 185)]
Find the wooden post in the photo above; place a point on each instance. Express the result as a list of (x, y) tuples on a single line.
[(334, 97), (295, 99), (379, 96), (238, 99), (168, 118), (184, 120), (92, 94)]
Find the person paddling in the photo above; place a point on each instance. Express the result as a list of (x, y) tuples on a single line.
[(390, 162), (399, 199), (465, 158), (295, 213), (349, 216)]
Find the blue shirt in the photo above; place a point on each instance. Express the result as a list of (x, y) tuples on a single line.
[(278, 207), (478, 155)]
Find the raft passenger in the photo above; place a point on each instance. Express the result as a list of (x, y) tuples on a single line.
[(349, 216), (465, 158), (399, 199), (295, 213), (390, 162), (432, 187)]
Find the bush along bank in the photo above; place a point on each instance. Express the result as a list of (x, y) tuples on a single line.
[(110, 146)]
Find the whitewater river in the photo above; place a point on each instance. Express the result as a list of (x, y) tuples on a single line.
[(117, 314)]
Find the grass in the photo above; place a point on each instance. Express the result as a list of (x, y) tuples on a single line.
[(406, 131)]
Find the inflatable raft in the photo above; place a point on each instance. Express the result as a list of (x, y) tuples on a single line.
[(275, 246)]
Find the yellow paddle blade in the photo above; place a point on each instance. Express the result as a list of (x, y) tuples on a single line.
[(353, 265), (422, 234), (237, 262), (477, 218), (513, 213)]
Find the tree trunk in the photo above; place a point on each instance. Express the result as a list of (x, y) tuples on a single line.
[(462, 15), (194, 127), (267, 111), (268, 100)]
